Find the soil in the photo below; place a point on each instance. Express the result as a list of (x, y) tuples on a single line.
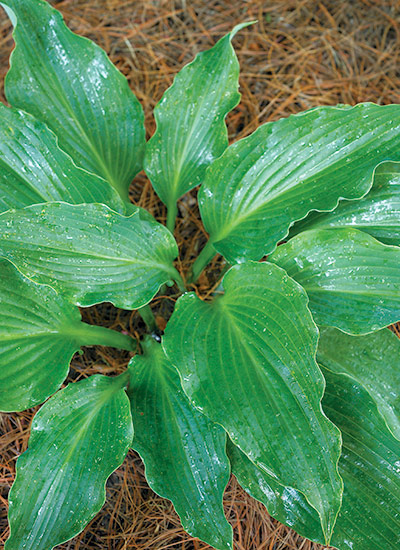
[(300, 54)]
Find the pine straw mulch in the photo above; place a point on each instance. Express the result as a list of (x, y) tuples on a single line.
[(302, 53)]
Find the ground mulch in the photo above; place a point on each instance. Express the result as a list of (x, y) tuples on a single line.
[(300, 54)]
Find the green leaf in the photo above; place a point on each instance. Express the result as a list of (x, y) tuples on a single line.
[(89, 253), (352, 280), (378, 213), (369, 517), (262, 184), (373, 360), (247, 360), (78, 438), (283, 503), (39, 333), (190, 119), (184, 453), (69, 83), (35, 170)]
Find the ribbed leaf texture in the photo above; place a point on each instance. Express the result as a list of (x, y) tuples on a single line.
[(69, 83), (35, 170), (378, 213), (183, 452), (39, 333), (89, 253), (190, 119), (373, 360), (262, 184), (352, 280), (369, 517), (247, 360), (78, 438)]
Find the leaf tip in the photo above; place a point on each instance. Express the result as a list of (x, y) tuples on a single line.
[(241, 26)]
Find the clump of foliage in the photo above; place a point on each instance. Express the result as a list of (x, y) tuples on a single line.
[(288, 377)]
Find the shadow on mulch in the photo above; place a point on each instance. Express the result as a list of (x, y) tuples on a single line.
[(302, 53)]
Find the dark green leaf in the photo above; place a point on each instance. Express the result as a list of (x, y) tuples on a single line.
[(89, 253), (35, 170), (39, 333), (369, 518), (69, 83), (262, 184), (247, 360), (373, 360), (184, 453), (352, 280), (370, 515), (378, 213), (78, 438), (190, 118), (283, 503)]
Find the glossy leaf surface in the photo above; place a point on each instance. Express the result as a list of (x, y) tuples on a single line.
[(35, 170), (262, 184), (373, 360), (378, 213), (283, 503), (78, 438), (89, 253), (190, 116), (69, 83), (247, 360), (370, 514), (39, 333), (183, 452), (352, 280)]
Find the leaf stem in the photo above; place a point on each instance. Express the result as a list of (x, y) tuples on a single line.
[(172, 212), (147, 315), (179, 282), (92, 335), (122, 380), (204, 258)]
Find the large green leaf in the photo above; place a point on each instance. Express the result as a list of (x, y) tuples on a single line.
[(69, 83), (370, 515), (373, 360), (35, 170), (39, 333), (89, 253), (378, 213), (283, 503), (184, 453), (262, 184), (369, 518), (352, 280), (247, 360), (191, 130), (78, 438)]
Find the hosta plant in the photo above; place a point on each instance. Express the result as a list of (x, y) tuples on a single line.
[(287, 377)]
